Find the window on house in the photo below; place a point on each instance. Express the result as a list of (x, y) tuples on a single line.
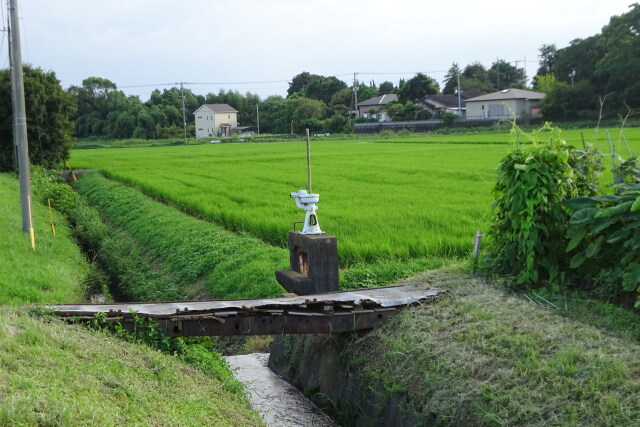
[(199, 117)]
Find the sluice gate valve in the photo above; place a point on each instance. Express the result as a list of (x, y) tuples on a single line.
[(307, 202)]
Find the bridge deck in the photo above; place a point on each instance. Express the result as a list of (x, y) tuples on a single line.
[(334, 312)]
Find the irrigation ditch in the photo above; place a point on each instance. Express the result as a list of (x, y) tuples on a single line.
[(314, 365), (479, 356)]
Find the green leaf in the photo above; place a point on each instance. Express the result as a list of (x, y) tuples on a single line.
[(583, 217), (631, 279), (636, 205), (614, 210), (576, 235), (579, 203), (577, 260), (594, 247)]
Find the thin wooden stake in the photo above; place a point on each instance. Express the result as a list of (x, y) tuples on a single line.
[(53, 227), (73, 175), (309, 162), (32, 235)]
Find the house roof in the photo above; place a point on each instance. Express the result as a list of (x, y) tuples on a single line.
[(379, 100), (218, 108), (509, 94), (450, 101)]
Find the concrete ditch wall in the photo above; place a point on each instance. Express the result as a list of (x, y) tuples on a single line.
[(320, 367)]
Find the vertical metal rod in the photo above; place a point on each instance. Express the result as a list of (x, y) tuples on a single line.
[(584, 145), (624, 138), (258, 117), (309, 161), (184, 114), (612, 148), (20, 119)]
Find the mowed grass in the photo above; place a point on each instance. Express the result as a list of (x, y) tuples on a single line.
[(55, 374), (383, 201), (36, 276)]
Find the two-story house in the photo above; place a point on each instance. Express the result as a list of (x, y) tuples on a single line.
[(215, 120)]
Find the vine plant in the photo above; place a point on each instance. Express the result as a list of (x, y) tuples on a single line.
[(530, 222)]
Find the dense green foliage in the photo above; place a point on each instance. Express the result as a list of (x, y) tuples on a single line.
[(475, 77), (527, 233), (49, 110), (605, 236), (601, 68)]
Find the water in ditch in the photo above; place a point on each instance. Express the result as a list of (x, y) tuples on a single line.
[(279, 403)]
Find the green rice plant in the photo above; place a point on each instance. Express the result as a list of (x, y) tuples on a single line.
[(383, 201)]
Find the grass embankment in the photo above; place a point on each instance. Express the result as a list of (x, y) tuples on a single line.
[(482, 357), (56, 374), (176, 256), (36, 276)]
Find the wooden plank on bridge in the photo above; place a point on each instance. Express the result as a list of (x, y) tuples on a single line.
[(327, 313)]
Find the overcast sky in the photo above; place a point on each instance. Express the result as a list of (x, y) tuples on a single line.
[(262, 44)]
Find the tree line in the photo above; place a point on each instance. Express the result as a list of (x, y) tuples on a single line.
[(591, 78)]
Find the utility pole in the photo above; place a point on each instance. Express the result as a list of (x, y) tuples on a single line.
[(258, 117), (184, 114), (498, 68), (355, 95), (20, 120), (459, 100)]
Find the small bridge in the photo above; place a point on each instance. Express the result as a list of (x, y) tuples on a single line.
[(326, 313)]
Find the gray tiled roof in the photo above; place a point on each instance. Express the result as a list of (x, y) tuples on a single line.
[(221, 108), (509, 94), (379, 100)]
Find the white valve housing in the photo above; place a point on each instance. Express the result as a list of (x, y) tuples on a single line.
[(307, 202)]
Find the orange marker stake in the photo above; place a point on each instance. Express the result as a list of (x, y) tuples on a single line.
[(53, 227)]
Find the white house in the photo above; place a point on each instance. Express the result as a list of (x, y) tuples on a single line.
[(215, 120), (504, 104)]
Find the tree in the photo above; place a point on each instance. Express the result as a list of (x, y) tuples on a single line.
[(299, 82), (49, 111), (503, 75), (547, 59), (417, 87), (386, 87), (567, 102), (476, 77), (323, 88), (544, 83), (451, 79), (620, 64)]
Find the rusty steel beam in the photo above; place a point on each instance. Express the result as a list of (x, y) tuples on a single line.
[(261, 323)]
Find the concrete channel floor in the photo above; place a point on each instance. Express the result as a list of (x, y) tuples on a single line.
[(279, 403)]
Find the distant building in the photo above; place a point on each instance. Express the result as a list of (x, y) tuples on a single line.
[(505, 104), (215, 120), (376, 108), (438, 104)]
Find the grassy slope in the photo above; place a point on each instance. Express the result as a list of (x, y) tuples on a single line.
[(36, 276), (55, 374), (481, 357), (186, 249)]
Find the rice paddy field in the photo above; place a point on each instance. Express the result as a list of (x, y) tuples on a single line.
[(402, 198)]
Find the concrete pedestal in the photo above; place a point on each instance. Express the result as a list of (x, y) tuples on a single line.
[(314, 264)]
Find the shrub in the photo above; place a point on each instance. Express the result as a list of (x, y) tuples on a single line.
[(605, 234)]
